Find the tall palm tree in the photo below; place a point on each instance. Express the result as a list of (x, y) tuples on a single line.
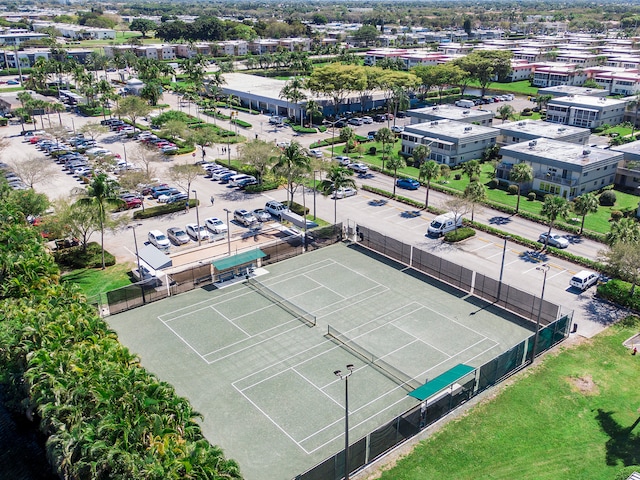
[(291, 163), (394, 163), (58, 108), (312, 108), (552, 208), (385, 136), (520, 173), (625, 229), (585, 204), (506, 112), (428, 171), (102, 194), (420, 154), (471, 169), (338, 177), (292, 93)]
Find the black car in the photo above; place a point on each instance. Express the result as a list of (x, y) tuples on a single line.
[(401, 115), (340, 124), (379, 118)]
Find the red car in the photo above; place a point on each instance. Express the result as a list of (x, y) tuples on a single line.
[(131, 202)]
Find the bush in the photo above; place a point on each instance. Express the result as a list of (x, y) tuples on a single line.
[(513, 189), (528, 113), (493, 183), (297, 208), (457, 176), (459, 234), (372, 150), (532, 196), (74, 258), (162, 209), (263, 187), (608, 198), (619, 292), (616, 215)]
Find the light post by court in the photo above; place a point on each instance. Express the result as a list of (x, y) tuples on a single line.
[(228, 232), (314, 194), (545, 268), (135, 242), (345, 376), (504, 252), (195, 194)]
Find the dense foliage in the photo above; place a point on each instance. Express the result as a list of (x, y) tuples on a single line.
[(103, 414)]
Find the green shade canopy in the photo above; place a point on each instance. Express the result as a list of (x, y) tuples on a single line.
[(441, 381), (239, 259)]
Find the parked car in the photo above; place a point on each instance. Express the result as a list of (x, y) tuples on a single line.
[(177, 235), (379, 118), (555, 240), (314, 152), (261, 215), (215, 225), (401, 114), (584, 279), (344, 192), (233, 181), (397, 129), (227, 177), (194, 231), (371, 135), (160, 190), (177, 197), (244, 217), (408, 183), (131, 202), (359, 167), (276, 208), (217, 175), (367, 120), (356, 121), (342, 160), (159, 240), (245, 182), (169, 193)]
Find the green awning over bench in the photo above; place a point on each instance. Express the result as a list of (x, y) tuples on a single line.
[(441, 381), (239, 259)]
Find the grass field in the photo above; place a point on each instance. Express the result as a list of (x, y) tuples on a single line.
[(96, 281), (572, 416)]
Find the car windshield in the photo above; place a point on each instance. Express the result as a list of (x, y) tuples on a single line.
[(160, 237), (436, 224)]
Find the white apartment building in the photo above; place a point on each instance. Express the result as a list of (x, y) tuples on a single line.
[(526, 130), (476, 116), (451, 142), (585, 111)]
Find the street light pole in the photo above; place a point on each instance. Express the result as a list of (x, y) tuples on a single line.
[(504, 252), (195, 194), (314, 194), (345, 377), (545, 268), (135, 242), (228, 232)]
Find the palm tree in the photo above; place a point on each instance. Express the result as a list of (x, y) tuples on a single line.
[(58, 108), (625, 229), (337, 178), (428, 171), (420, 154), (102, 194), (292, 93), (585, 204), (394, 163), (475, 192), (552, 208), (471, 169), (520, 173), (634, 106), (385, 136), (291, 163), (506, 112), (312, 108)]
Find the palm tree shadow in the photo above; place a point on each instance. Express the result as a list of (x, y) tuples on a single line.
[(623, 445)]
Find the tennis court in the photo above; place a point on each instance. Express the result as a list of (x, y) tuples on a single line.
[(251, 360)]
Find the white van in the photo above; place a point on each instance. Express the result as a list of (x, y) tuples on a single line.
[(465, 103), (444, 223), (159, 240), (275, 208), (584, 279)]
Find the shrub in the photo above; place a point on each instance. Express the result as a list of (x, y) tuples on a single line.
[(457, 176), (162, 209), (263, 187), (619, 292), (513, 189), (297, 208), (616, 215), (493, 183), (532, 196), (527, 113), (474, 178), (459, 234), (608, 198), (372, 150)]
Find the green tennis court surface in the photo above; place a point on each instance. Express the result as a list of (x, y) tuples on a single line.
[(263, 377)]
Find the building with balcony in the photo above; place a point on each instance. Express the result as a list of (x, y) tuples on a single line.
[(451, 112), (567, 90), (585, 111), (526, 130), (451, 142), (628, 172), (558, 74), (560, 168)]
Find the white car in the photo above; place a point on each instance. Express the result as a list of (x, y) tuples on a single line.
[(344, 192), (554, 240), (167, 196), (359, 167), (397, 129), (215, 225), (194, 230), (342, 160), (221, 173), (367, 120), (314, 152)]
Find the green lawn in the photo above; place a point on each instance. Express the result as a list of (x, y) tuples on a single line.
[(523, 87), (96, 281), (570, 417)]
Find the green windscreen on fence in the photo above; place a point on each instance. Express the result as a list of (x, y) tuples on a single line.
[(239, 259), (441, 381)]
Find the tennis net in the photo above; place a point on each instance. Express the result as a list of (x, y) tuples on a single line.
[(282, 302), (391, 372)]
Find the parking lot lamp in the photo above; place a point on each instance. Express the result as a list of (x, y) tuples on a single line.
[(504, 252), (195, 195), (345, 376), (135, 243), (545, 268), (314, 194), (228, 232)]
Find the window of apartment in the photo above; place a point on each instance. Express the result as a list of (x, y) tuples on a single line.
[(611, 179), (584, 174), (582, 189)]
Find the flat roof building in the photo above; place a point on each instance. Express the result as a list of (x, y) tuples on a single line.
[(560, 168), (585, 111), (526, 130), (451, 112)]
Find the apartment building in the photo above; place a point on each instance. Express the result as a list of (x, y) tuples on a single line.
[(551, 75), (628, 172), (560, 168), (475, 116), (78, 32), (231, 47), (526, 130), (585, 111), (451, 142)]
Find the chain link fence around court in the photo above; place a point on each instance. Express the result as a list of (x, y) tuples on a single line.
[(377, 443), (196, 276), (511, 298)]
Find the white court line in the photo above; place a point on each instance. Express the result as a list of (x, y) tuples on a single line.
[(316, 386), (230, 321), (420, 340), (324, 287), (184, 341)]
